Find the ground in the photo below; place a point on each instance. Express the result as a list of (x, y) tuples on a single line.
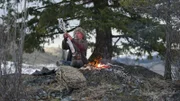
[(119, 83)]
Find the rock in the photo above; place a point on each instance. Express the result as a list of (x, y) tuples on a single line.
[(68, 98), (135, 92), (70, 77), (36, 73), (175, 96), (44, 71), (176, 84), (41, 94), (138, 71)]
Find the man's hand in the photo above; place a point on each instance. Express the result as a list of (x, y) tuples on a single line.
[(66, 35)]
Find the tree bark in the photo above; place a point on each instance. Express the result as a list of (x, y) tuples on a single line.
[(103, 45), (167, 72)]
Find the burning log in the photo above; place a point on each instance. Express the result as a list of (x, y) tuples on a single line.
[(98, 67)]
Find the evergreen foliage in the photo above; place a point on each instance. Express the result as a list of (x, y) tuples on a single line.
[(142, 32), (133, 21)]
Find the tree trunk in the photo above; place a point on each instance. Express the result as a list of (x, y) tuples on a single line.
[(103, 46), (167, 72)]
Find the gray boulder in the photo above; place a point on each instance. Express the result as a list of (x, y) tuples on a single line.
[(70, 77)]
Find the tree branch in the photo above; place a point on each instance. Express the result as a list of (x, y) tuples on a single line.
[(121, 36), (116, 41), (59, 32), (84, 3)]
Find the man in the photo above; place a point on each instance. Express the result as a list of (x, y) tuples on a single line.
[(77, 59)]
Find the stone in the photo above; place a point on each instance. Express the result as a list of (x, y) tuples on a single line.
[(70, 77), (176, 96)]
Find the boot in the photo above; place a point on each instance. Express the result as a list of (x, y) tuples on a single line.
[(77, 63)]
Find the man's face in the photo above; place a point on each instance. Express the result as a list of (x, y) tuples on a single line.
[(79, 35)]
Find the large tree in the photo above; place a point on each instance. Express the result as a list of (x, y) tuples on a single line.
[(97, 17), (168, 11)]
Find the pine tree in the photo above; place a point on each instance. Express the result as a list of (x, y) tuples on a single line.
[(97, 17), (166, 11)]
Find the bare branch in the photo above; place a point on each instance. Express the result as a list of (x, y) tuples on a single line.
[(122, 36)]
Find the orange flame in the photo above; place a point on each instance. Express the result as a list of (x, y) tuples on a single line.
[(97, 64)]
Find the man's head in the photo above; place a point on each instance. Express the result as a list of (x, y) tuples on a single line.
[(79, 33)]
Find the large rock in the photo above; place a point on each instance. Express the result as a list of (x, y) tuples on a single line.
[(70, 77)]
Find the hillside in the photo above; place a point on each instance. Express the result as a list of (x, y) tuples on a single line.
[(50, 56), (119, 83)]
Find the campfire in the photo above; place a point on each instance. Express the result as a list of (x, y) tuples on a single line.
[(96, 64)]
